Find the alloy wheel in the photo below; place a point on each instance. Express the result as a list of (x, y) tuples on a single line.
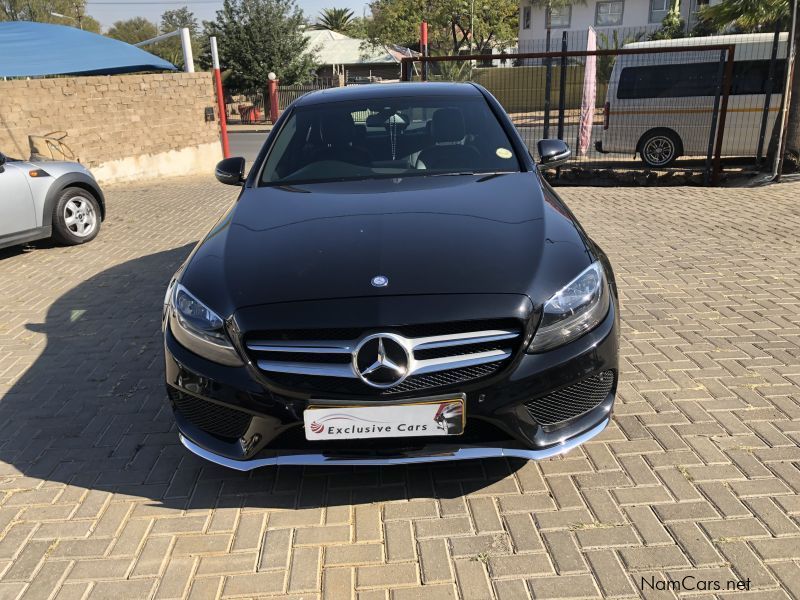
[(79, 216)]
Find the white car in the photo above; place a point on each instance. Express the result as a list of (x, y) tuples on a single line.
[(45, 199), (660, 104)]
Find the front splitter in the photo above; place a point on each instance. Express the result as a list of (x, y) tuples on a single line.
[(469, 453)]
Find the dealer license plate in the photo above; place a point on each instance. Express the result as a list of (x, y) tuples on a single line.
[(425, 418)]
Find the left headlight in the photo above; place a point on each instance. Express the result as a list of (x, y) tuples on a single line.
[(575, 309), (198, 328)]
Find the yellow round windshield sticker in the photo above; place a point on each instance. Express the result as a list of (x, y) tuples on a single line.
[(503, 153)]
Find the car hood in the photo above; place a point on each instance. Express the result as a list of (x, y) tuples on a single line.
[(426, 235)]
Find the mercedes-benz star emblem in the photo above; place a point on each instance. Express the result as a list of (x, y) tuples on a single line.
[(380, 281), (381, 360)]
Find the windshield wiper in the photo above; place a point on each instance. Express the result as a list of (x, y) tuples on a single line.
[(452, 174), (486, 174)]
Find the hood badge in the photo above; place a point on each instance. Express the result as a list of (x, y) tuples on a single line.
[(380, 281)]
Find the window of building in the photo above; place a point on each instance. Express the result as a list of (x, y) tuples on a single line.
[(560, 17), (658, 10), (526, 17), (608, 13)]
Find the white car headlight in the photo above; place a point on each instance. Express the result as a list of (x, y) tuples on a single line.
[(575, 309), (198, 328)]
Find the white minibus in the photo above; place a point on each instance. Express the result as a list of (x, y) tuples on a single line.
[(660, 105)]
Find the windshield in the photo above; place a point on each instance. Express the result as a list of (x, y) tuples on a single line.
[(389, 137)]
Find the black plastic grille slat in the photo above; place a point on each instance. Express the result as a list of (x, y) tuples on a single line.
[(310, 357), (210, 417), (339, 385), (572, 401)]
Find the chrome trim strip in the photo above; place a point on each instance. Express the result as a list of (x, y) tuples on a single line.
[(468, 453), (315, 347), (445, 363), (462, 339), (303, 368)]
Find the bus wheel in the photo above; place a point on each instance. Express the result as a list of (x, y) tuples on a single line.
[(659, 148)]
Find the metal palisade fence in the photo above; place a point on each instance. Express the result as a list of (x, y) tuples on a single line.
[(252, 109), (683, 111)]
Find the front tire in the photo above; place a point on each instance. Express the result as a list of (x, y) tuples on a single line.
[(76, 217), (659, 149)]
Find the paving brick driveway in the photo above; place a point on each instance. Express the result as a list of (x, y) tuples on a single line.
[(697, 475)]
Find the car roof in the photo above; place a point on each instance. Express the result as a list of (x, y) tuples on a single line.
[(711, 40), (387, 90)]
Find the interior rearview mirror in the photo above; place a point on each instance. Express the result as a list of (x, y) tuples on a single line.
[(553, 153), (230, 171)]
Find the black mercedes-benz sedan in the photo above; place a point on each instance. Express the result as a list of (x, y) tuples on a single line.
[(396, 283)]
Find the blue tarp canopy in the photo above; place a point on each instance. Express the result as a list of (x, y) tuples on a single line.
[(35, 49)]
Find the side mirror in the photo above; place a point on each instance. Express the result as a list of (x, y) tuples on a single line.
[(2, 162), (230, 171), (553, 153)]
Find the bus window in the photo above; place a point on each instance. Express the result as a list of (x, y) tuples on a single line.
[(751, 76), (696, 79), (668, 81)]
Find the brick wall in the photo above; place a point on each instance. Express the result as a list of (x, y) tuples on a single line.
[(111, 119)]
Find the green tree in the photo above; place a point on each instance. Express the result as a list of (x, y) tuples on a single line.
[(171, 49), (133, 30), (45, 11), (746, 16), (357, 27), (453, 25), (760, 15), (335, 19), (259, 36), (672, 26)]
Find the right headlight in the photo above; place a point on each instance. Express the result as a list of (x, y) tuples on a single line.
[(575, 309), (198, 328)]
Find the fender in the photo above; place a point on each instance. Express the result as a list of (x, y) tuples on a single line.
[(75, 179)]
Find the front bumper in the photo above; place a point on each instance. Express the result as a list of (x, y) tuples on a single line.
[(501, 411), (404, 458)]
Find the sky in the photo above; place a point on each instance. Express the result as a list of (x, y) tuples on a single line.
[(108, 11)]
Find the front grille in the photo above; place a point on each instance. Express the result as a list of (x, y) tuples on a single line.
[(354, 387), (573, 401), (438, 355), (212, 418)]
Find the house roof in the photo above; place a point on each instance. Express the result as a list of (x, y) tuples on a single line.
[(334, 48), (37, 49)]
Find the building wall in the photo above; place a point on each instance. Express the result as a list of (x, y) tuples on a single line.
[(635, 14), (123, 127)]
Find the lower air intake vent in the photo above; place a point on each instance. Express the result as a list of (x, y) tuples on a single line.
[(572, 401), (212, 418)]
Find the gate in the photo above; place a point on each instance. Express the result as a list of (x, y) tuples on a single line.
[(712, 106)]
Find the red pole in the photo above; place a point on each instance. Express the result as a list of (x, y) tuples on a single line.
[(423, 47), (223, 120), (272, 89)]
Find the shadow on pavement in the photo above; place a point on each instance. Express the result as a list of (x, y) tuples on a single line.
[(92, 412)]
